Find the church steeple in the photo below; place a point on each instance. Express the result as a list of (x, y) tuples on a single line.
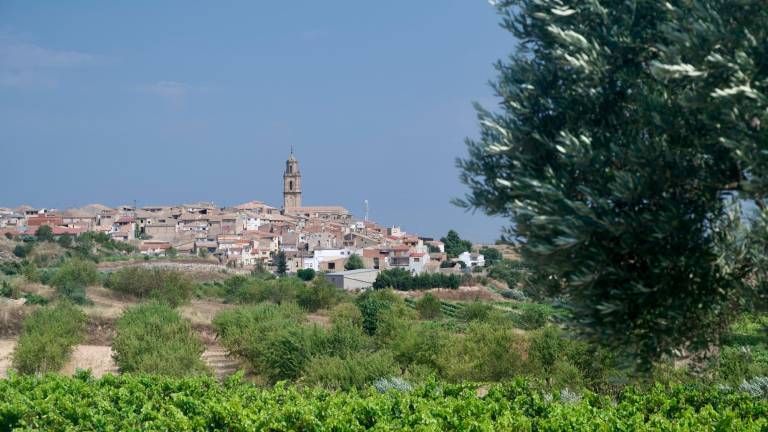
[(291, 183)]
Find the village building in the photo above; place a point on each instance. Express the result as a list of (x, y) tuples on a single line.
[(353, 280)]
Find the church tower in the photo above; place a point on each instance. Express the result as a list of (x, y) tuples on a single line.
[(291, 183)]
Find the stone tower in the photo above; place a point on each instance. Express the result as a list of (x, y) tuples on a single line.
[(291, 183)]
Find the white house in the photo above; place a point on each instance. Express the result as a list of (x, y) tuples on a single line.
[(322, 255), (417, 262), (472, 260)]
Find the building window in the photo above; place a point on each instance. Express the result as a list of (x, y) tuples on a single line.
[(291, 184), (331, 266)]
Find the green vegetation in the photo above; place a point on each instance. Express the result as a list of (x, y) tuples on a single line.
[(155, 339), (72, 277), (281, 263), (47, 338), (491, 255), (320, 294), (455, 245), (81, 403), (306, 274), (628, 217), (354, 262), (167, 286), (403, 280), (429, 307)]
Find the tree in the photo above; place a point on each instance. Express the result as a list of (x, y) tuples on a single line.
[(65, 241), (306, 274), (44, 233), (282, 264), (429, 307), (354, 262), (491, 255), (454, 245), (621, 132)]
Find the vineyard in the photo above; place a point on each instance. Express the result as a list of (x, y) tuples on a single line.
[(150, 403)]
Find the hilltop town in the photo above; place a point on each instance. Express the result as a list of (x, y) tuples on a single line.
[(249, 235)]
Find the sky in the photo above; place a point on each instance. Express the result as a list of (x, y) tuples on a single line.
[(183, 101)]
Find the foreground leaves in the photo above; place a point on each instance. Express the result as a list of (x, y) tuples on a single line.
[(151, 403)]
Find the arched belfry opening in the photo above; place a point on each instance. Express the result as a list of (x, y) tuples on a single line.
[(291, 183)]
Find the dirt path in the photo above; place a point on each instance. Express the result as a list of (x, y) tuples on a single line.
[(6, 353), (97, 358)]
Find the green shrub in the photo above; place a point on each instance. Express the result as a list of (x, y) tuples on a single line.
[(155, 339), (485, 353), (476, 311), (276, 342), (736, 365), (347, 313), (357, 370), (354, 262), (44, 233), (429, 307), (22, 250), (320, 294), (167, 286), (257, 290), (65, 241), (47, 338), (72, 277), (34, 299), (371, 303), (254, 333), (532, 317), (416, 344), (306, 274), (9, 290)]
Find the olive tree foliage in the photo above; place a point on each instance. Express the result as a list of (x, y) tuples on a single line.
[(624, 130)]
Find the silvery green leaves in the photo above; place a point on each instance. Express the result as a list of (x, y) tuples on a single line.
[(622, 124)]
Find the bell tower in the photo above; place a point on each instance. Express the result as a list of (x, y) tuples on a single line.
[(291, 183)]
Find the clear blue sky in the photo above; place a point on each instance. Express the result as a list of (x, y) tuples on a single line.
[(180, 101)]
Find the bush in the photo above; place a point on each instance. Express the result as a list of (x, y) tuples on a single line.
[(485, 353), (354, 262), (347, 313), (429, 307), (44, 233), (72, 277), (756, 387), (257, 290), (9, 290), (491, 255), (167, 286), (76, 271), (29, 269), (532, 317), (155, 339), (476, 311), (34, 299), (251, 331), (354, 371), (320, 294), (65, 241), (276, 342), (47, 338), (22, 250), (371, 305), (306, 274)]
